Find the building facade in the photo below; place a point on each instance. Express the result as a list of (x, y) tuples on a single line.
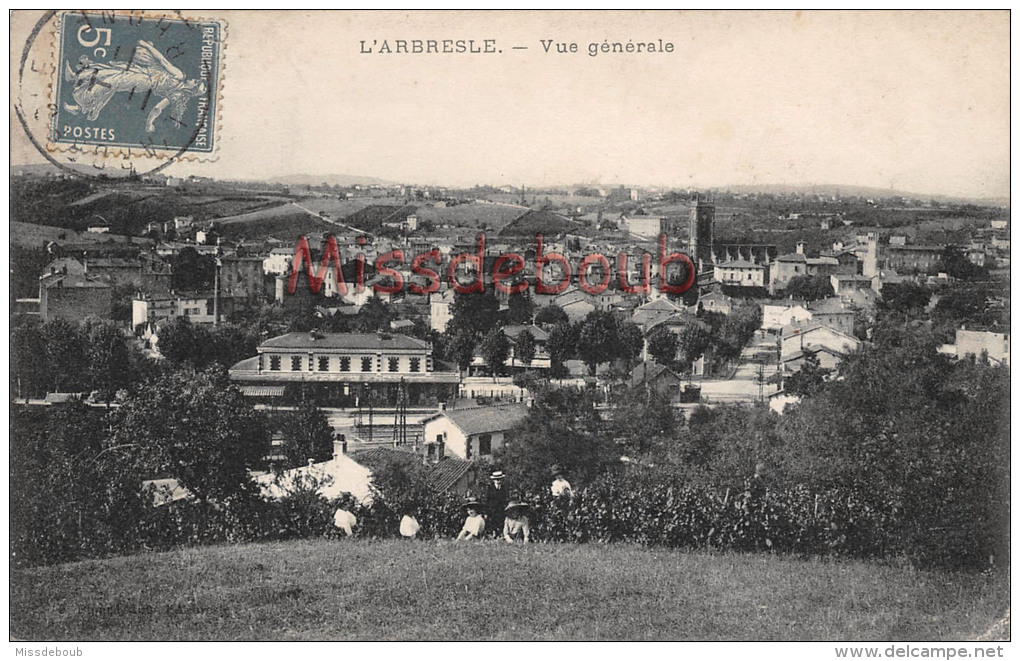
[(739, 273), (471, 433), (74, 298), (347, 370)]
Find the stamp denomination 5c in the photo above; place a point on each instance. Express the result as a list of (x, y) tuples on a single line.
[(136, 82)]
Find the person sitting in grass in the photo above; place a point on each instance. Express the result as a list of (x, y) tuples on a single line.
[(345, 521), (474, 524), (516, 525), (409, 525), (560, 486)]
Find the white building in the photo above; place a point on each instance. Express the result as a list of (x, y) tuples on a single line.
[(278, 262), (647, 227), (774, 317), (828, 345), (440, 310), (740, 273), (472, 433)]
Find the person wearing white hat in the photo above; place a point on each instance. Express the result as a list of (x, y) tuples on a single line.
[(496, 498), (474, 524)]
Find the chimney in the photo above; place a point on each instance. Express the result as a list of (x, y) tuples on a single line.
[(442, 406), (800, 247), (440, 449)]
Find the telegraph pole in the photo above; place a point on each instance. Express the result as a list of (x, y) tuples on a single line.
[(216, 290)]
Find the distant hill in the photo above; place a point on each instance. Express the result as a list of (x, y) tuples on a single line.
[(533, 222), (331, 179), (860, 191)]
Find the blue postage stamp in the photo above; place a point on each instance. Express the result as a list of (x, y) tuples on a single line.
[(146, 83)]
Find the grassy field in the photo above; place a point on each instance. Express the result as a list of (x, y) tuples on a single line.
[(442, 590)]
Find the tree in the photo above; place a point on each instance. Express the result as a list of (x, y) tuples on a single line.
[(809, 378), (550, 315), (643, 417), (597, 339), (630, 342), (374, 316), (921, 434), (197, 429), (181, 342), (694, 340), (29, 369), (561, 345), (809, 288), (461, 348), (108, 359), (521, 308), (73, 494), (478, 313), (525, 350), (954, 263), (306, 434), (561, 428), (907, 298), (65, 356), (231, 343), (663, 346), (192, 271), (495, 349)]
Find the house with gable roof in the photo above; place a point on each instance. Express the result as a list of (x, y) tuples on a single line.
[(471, 433), (827, 344)]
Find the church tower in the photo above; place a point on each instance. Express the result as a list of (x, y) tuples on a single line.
[(701, 232)]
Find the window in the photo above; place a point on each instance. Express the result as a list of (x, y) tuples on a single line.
[(485, 444), (416, 364), (295, 363), (394, 364), (323, 363), (366, 364), (274, 363), (345, 363)]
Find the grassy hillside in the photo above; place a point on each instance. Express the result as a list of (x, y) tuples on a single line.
[(429, 590), (286, 223)]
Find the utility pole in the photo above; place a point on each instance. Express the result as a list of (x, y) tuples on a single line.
[(216, 289)]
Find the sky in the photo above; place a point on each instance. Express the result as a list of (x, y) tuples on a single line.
[(915, 101)]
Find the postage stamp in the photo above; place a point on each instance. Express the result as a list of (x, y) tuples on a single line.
[(136, 81)]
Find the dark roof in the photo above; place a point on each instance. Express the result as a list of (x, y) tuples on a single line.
[(447, 473), (828, 305), (917, 247), (370, 341), (370, 456), (248, 364), (646, 372), (484, 419), (739, 264), (73, 281), (813, 350), (792, 257), (514, 330), (440, 477)]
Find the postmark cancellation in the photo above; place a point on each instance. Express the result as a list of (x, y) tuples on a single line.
[(132, 86)]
